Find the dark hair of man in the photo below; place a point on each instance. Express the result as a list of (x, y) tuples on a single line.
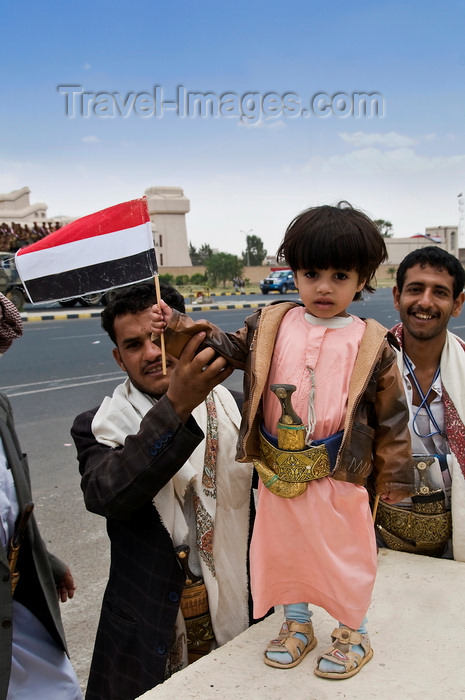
[(434, 257), (136, 298), (334, 236)]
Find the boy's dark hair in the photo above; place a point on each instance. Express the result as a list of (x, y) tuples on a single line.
[(341, 237), (136, 298), (435, 257)]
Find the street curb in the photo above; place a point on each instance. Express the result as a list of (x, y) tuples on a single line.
[(32, 316)]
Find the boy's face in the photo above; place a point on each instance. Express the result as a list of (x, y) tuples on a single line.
[(328, 293), (427, 302)]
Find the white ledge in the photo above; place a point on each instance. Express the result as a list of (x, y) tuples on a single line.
[(416, 624)]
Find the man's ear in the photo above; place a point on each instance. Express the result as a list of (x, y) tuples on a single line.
[(396, 296), (118, 359), (458, 303)]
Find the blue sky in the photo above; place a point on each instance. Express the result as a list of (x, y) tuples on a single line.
[(407, 165)]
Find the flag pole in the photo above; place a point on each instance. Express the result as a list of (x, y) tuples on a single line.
[(162, 337), (375, 507)]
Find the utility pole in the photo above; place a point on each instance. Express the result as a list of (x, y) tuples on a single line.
[(461, 231)]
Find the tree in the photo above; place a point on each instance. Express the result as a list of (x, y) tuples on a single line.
[(392, 271), (200, 256), (385, 227), (222, 267), (193, 254), (255, 253)]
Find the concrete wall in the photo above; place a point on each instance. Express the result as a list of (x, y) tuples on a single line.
[(253, 274), (415, 623)]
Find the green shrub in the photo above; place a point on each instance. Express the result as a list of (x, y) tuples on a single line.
[(198, 278)]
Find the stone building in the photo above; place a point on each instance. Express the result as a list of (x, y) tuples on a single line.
[(168, 207), (16, 207), (445, 237)]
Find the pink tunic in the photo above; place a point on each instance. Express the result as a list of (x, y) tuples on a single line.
[(320, 547)]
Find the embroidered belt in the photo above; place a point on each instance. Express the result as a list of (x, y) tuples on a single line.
[(427, 527), (286, 472), (199, 628)]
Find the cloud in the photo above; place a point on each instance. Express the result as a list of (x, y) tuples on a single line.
[(361, 139), (87, 66), (90, 139), (374, 160)]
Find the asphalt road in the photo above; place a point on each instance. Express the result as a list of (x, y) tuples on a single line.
[(58, 369)]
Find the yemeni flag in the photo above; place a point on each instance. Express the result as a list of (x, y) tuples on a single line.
[(111, 248)]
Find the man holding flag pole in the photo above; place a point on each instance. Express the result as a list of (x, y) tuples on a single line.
[(157, 461)]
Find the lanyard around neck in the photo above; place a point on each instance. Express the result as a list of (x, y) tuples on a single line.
[(423, 399)]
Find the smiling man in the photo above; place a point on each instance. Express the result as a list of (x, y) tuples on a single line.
[(157, 461), (428, 293)]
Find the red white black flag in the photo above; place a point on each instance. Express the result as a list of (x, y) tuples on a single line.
[(111, 248)]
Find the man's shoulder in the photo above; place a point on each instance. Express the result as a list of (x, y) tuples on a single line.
[(85, 418), (459, 340), (88, 416)]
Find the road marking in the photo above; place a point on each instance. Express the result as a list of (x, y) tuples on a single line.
[(17, 390)]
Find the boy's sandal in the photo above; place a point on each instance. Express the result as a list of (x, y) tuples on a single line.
[(340, 653), (286, 641)]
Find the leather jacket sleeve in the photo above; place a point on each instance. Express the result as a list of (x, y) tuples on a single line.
[(393, 463), (232, 346)]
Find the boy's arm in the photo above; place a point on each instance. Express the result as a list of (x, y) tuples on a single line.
[(178, 328)]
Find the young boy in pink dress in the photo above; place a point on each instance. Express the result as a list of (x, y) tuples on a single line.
[(313, 537)]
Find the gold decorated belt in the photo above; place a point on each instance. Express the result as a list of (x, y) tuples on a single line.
[(286, 472), (415, 532), (423, 529)]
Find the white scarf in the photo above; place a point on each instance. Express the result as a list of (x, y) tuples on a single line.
[(227, 511), (453, 381)]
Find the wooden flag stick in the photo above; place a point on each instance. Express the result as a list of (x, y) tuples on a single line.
[(375, 507), (162, 337)]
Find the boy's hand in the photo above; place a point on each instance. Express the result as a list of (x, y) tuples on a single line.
[(160, 316), (393, 496)]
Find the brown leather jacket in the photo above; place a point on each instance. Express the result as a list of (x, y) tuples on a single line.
[(376, 438)]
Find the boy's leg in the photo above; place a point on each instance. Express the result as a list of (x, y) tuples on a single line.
[(350, 651), (295, 638)]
